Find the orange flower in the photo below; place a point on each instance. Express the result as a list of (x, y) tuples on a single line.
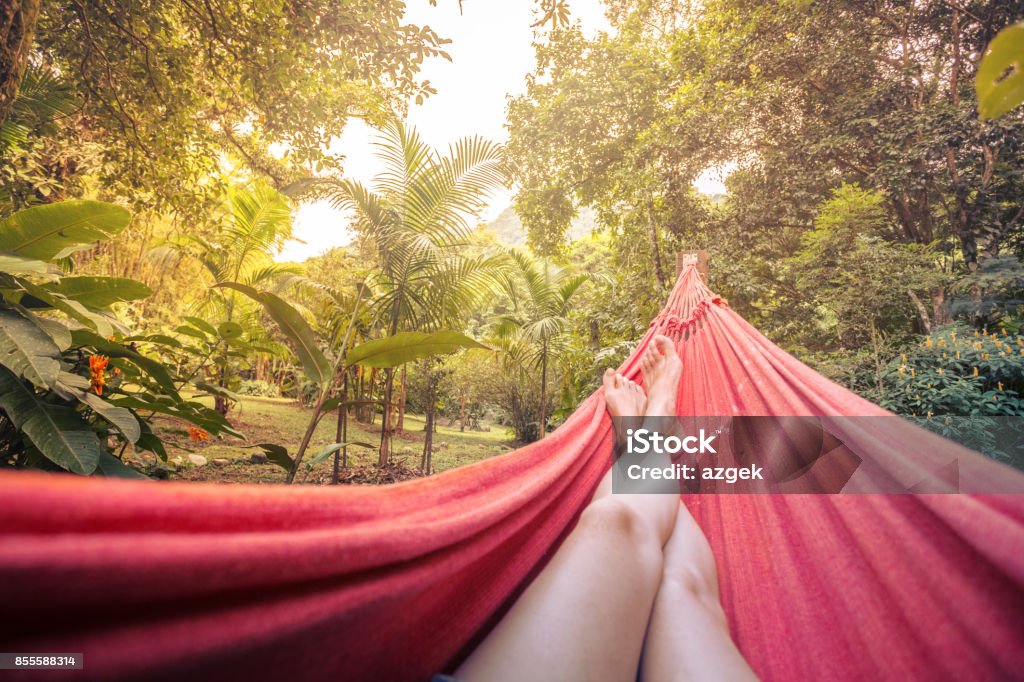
[(97, 378), (198, 435)]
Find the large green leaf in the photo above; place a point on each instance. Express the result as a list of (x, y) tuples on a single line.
[(150, 441), (58, 432), (278, 454), (56, 330), (408, 346), (44, 296), (19, 265), (213, 389), (1000, 79), (315, 364), (112, 466), (120, 417), (75, 387), (44, 232), (27, 350), (100, 292), (332, 448)]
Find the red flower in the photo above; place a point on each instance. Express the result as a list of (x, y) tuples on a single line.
[(198, 435), (97, 378)]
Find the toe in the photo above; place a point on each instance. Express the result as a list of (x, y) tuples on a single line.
[(664, 345), (608, 379)]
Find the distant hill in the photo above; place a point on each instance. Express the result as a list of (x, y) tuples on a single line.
[(510, 231)]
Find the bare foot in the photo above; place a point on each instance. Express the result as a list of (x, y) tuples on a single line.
[(662, 369), (623, 397)]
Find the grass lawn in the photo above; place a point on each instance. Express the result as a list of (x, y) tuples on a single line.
[(283, 421)]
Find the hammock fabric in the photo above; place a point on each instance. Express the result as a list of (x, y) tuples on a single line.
[(200, 581)]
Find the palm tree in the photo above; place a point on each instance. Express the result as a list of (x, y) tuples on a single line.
[(256, 221), (532, 333), (416, 220)]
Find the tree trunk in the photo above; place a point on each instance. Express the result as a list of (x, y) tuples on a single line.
[(542, 422), (462, 413), (384, 453), (370, 392), (17, 27), (922, 312), (341, 435), (220, 403), (652, 229), (878, 358), (940, 313), (307, 436), (400, 425), (428, 441)]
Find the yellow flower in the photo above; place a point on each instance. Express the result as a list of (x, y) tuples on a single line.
[(952, 335), (904, 356), (903, 368), (975, 371), (1000, 387), (913, 372), (1003, 331), (958, 355), (928, 342), (940, 371), (929, 414)]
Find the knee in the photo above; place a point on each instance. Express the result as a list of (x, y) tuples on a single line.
[(694, 583), (692, 578), (612, 518)]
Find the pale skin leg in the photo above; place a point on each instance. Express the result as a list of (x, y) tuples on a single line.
[(585, 615), (615, 581), (688, 636)]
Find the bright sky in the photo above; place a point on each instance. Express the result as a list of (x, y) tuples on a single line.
[(491, 52)]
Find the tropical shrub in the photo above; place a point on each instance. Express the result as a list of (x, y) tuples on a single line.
[(964, 383), (75, 390), (259, 388)]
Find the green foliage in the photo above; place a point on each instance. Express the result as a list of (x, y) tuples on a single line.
[(30, 141), (403, 347), (861, 285), (54, 231), (959, 382), (415, 223), (315, 364), (1000, 78), (331, 449), (533, 331), (58, 432), (258, 387), (69, 396), (958, 371), (171, 88), (255, 221)]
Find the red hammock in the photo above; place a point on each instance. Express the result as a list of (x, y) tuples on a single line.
[(201, 581)]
